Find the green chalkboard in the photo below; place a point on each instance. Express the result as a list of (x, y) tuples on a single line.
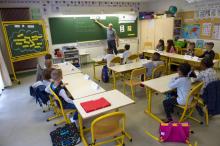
[(77, 29), (25, 39)]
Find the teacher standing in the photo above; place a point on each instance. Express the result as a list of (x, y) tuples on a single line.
[(112, 37)]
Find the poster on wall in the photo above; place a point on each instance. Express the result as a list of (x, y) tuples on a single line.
[(191, 31), (206, 29), (216, 32)]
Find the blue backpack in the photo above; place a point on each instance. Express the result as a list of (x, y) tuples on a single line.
[(105, 75)]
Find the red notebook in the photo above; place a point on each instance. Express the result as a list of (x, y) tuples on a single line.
[(93, 105)]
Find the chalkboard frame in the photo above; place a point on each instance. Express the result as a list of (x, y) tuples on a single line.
[(26, 56)]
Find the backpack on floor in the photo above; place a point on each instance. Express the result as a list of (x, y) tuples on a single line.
[(173, 132), (66, 136), (105, 75)]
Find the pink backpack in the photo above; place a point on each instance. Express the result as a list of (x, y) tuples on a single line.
[(174, 132)]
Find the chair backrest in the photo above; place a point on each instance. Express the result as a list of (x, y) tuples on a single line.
[(148, 45), (178, 49), (116, 60), (108, 125), (217, 56), (158, 71), (137, 73), (194, 92), (133, 57), (121, 50), (60, 105), (198, 52)]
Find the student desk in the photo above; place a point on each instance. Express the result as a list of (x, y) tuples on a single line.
[(98, 61), (67, 68), (115, 97), (80, 87), (160, 85), (127, 67), (173, 58)]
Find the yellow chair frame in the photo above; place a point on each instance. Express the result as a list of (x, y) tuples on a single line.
[(60, 110), (133, 57), (198, 52), (132, 82), (148, 45), (109, 125), (217, 57), (115, 60), (159, 69), (52, 105), (191, 107)]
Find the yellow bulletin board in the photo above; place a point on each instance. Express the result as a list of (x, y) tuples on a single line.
[(25, 40)]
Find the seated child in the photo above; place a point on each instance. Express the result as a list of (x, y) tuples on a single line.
[(109, 57), (190, 49), (155, 62), (42, 63), (170, 46), (209, 52), (160, 45), (183, 85), (126, 53), (46, 79), (58, 87), (208, 74)]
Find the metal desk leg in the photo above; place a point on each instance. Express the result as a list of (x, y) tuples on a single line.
[(94, 72), (114, 80), (148, 110), (81, 130)]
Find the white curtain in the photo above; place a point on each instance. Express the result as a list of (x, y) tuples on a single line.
[(4, 75)]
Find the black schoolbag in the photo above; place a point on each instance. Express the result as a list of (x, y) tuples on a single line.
[(66, 136)]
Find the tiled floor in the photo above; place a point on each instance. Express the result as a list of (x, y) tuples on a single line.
[(22, 122)]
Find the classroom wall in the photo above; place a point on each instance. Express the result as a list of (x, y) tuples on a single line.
[(95, 49)]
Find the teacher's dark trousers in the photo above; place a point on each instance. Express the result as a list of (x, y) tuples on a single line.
[(112, 46)]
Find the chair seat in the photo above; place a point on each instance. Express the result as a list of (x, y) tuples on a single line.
[(193, 104), (132, 83), (102, 135)]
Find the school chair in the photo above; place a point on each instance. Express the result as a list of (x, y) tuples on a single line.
[(217, 57), (205, 109), (198, 52), (121, 50), (178, 50), (133, 58), (55, 109), (61, 111), (158, 71), (115, 60), (108, 128), (189, 108), (135, 79), (148, 45)]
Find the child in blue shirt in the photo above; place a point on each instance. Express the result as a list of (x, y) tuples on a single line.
[(183, 85)]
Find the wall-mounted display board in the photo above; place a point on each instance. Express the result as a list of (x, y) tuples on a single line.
[(216, 31), (191, 31), (25, 40), (78, 29)]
